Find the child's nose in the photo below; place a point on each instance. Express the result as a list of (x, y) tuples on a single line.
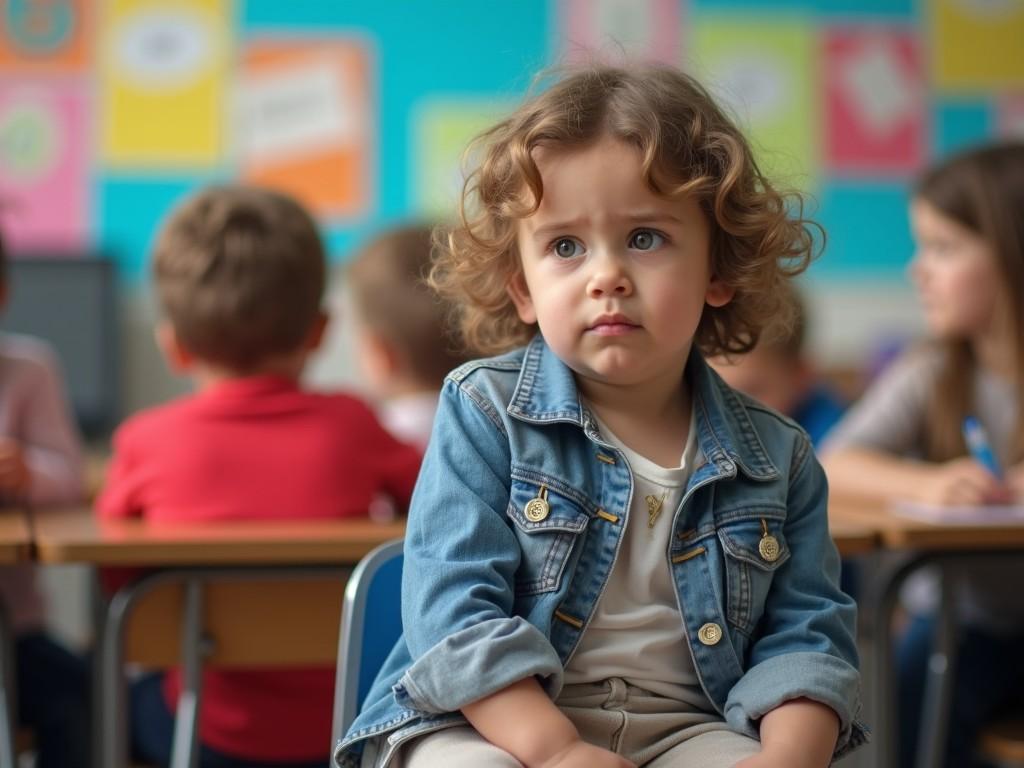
[(609, 277)]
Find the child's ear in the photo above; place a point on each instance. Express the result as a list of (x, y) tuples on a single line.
[(178, 358), (378, 359), (317, 331), (520, 294), (718, 293)]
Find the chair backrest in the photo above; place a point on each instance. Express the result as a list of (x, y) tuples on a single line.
[(235, 628), (371, 623)]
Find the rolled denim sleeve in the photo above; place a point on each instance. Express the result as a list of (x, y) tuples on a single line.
[(460, 563), (805, 646)]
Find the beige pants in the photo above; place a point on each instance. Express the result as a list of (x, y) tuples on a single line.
[(649, 730)]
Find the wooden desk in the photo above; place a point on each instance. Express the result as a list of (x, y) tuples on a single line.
[(947, 547), (285, 549), (73, 535), (15, 536), (853, 537)]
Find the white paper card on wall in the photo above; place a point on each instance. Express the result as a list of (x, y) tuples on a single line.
[(163, 48), (295, 111), (876, 82)]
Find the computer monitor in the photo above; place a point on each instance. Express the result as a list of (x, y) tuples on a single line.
[(71, 302)]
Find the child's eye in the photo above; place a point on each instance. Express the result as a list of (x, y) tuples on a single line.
[(645, 240), (566, 248)]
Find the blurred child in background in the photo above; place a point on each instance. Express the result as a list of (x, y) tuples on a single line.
[(906, 434), (40, 465), (405, 347), (778, 373), (240, 276)]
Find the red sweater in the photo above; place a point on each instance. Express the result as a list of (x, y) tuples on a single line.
[(257, 449)]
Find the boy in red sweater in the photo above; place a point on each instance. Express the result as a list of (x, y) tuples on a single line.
[(240, 277)]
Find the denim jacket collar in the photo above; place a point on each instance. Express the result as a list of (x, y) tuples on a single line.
[(546, 392)]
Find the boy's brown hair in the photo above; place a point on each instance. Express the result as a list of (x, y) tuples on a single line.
[(392, 298), (240, 275), (688, 146)]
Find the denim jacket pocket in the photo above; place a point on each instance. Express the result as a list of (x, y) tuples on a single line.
[(754, 549), (546, 534)]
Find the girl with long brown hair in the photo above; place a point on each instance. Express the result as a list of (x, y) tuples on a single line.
[(904, 439)]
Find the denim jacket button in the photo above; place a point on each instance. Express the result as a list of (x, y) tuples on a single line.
[(710, 634)]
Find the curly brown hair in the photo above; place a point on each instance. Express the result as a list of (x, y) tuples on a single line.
[(688, 146)]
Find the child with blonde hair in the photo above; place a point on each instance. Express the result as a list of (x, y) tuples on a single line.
[(612, 558)]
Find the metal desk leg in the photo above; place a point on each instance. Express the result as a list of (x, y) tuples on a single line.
[(885, 679), (8, 696), (113, 733), (938, 689), (185, 748)]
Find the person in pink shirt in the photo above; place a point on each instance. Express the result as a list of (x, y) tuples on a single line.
[(240, 277), (40, 465)]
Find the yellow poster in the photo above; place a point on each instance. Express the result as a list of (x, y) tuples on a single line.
[(977, 44), (162, 84)]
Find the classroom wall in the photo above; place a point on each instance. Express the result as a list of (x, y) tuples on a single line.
[(111, 110)]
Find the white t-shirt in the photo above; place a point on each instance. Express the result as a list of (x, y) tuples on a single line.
[(637, 632)]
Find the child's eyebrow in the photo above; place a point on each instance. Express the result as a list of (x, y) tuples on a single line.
[(652, 217), (547, 231)]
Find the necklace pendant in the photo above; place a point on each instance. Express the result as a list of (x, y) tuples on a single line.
[(653, 508)]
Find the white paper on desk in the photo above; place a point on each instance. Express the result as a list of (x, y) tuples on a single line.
[(994, 514)]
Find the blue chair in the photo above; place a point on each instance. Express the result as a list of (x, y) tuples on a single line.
[(371, 623)]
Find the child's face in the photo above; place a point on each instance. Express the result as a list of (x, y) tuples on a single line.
[(615, 275), (955, 272)]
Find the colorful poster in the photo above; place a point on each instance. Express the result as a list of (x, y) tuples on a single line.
[(1010, 115), (50, 36), (163, 83), (443, 132), (44, 136), (645, 29), (761, 70), (305, 122), (875, 101), (977, 44)]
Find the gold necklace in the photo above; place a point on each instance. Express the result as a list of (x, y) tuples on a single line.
[(653, 508)]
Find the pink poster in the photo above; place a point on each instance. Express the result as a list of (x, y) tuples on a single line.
[(44, 137), (875, 96), (611, 29)]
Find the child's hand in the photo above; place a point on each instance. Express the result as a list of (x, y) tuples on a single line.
[(580, 754), (1015, 481), (13, 470), (964, 482)]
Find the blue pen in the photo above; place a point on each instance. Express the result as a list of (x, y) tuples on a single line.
[(978, 445)]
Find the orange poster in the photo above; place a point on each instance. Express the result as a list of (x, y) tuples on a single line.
[(304, 122), (37, 36)]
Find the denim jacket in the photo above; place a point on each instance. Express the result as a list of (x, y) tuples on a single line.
[(490, 597)]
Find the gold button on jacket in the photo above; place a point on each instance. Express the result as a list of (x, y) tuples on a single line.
[(710, 634)]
